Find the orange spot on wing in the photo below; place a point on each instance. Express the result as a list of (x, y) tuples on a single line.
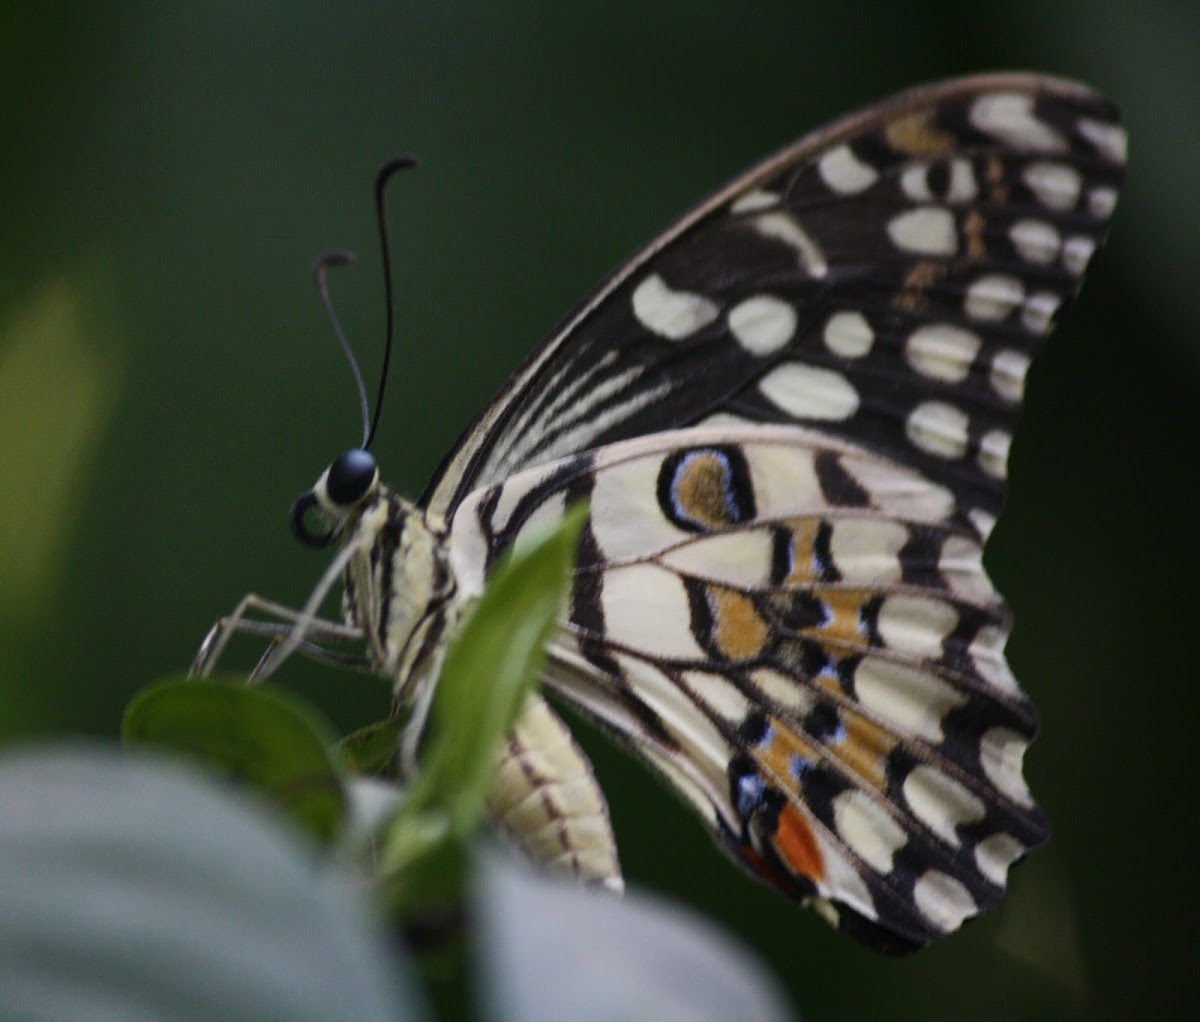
[(758, 864), (771, 874), (796, 845), (775, 757), (700, 487), (915, 134), (866, 748), (845, 609), (738, 631), (804, 538)]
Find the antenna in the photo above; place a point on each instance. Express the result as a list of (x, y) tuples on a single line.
[(320, 268), (386, 172), (339, 257)]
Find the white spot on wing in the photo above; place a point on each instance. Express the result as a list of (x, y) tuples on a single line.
[(844, 172), (810, 392), (1035, 240), (941, 803), (755, 199), (646, 608), (720, 695), (987, 653), (915, 184), (1010, 117), (848, 334), (993, 452), (942, 351), (938, 428), (1007, 375), (763, 324), (916, 624), (1001, 751), (994, 854), (1110, 140), (1038, 311), (962, 567), (784, 691), (671, 314), (992, 297), (1055, 185), (867, 829), (942, 900), (910, 699), (866, 550), (983, 521), (725, 419), (1101, 202), (962, 182), (784, 228), (926, 230), (783, 477), (1077, 252)]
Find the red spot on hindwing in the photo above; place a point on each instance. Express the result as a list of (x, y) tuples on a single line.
[(796, 845)]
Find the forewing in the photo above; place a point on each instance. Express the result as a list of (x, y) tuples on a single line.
[(800, 635), (886, 279)]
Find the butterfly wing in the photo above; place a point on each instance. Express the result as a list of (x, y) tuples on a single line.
[(799, 634), (782, 605), (887, 279)]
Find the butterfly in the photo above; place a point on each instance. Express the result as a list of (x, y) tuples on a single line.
[(791, 416)]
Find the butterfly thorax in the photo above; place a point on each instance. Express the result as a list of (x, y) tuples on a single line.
[(405, 590), (400, 590)]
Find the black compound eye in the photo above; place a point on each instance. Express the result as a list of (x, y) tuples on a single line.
[(350, 477)]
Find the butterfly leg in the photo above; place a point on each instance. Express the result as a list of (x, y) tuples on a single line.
[(317, 630)]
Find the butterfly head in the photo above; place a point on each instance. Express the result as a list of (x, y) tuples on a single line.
[(349, 483)]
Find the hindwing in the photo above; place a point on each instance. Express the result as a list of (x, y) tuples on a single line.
[(801, 636)]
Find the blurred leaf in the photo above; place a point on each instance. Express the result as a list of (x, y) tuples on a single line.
[(492, 663), (547, 950), (56, 389), (370, 804), (133, 890), (261, 737), (371, 751)]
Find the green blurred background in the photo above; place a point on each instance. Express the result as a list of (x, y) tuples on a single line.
[(168, 384)]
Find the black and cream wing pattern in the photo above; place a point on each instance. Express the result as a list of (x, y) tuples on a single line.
[(791, 415)]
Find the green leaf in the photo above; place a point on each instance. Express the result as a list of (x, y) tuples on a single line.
[(491, 665), (133, 889), (371, 751), (261, 737), (494, 662)]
